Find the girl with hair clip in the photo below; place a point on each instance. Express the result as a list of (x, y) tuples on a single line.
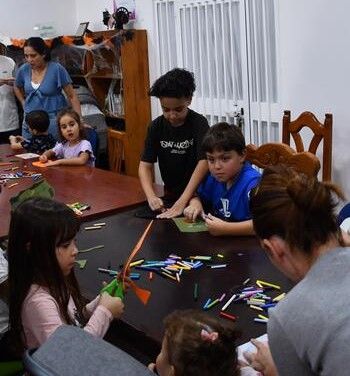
[(309, 330), (44, 293), (195, 344), (73, 150)]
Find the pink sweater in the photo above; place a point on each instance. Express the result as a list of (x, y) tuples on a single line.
[(41, 316)]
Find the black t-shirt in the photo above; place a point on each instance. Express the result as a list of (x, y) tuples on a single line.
[(177, 149)]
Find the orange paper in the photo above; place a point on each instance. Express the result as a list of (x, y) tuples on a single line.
[(39, 164), (142, 294)]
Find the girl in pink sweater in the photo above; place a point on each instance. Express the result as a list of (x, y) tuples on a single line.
[(44, 292)]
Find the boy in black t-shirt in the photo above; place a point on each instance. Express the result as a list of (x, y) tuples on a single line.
[(38, 123), (174, 139)]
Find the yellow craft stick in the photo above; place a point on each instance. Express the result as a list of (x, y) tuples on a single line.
[(99, 224), (268, 284), (256, 307), (135, 263), (279, 297), (169, 276), (263, 317), (93, 228), (13, 185)]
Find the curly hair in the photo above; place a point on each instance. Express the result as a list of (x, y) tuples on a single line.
[(177, 83), (224, 137)]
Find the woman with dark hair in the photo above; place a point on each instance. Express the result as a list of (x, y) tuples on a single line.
[(40, 82), (309, 330)]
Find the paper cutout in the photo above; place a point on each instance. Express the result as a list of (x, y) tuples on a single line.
[(39, 164), (81, 263), (142, 294), (39, 189), (185, 226), (27, 155)]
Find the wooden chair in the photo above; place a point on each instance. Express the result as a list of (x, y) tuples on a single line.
[(116, 142), (320, 132), (278, 153)]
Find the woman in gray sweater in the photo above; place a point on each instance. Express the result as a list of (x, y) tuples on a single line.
[(309, 331)]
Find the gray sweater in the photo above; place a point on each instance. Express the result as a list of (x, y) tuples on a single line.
[(309, 331)]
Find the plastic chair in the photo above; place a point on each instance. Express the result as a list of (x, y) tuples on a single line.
[(71, 351), (343, 214), (115, 140), (320, 132), (92, 136), (277, 153)]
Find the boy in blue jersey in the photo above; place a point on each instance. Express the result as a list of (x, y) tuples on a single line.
[(225, 192)]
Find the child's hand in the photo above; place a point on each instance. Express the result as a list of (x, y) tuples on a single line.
[(43, 158), (193, 210), (114, 305), (19, 138), (155, 203), (262, 360), (216, 226)]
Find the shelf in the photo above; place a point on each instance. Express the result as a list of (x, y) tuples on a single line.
[(114, 116), (103, 76)]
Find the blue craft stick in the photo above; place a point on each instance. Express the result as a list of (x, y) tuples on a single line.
[(134, 277), (152, 269), (269, 305), (207, 303)]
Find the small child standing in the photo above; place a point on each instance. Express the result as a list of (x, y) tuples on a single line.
[(196, 343), (73, 150), (44, 293), (225, 192), (38, 123)]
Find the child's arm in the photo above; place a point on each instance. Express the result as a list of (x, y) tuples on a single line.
[(218, 227), (81, 160), (194, 209), (15, 142), (146, 179), (196, 178)]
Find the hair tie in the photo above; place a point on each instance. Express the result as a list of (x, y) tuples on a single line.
[(210, 337)]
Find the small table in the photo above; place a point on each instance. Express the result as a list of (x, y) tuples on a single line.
[(104, 191)]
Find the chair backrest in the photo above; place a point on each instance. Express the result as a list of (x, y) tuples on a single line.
[(115, 140), (92, 136), (278, 153), (71, 351), (320, 132)]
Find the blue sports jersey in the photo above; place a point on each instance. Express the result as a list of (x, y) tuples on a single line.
[(230, 204)]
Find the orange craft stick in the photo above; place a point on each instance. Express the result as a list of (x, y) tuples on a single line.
[(142, 294)]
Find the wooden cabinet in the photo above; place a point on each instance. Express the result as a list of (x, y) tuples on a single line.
[(117, 73)]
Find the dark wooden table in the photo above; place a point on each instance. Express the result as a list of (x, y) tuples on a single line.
[(244, 256), (104, 191)]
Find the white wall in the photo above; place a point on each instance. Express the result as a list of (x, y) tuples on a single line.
[(17, 18), (313, 45), (315, 62)]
